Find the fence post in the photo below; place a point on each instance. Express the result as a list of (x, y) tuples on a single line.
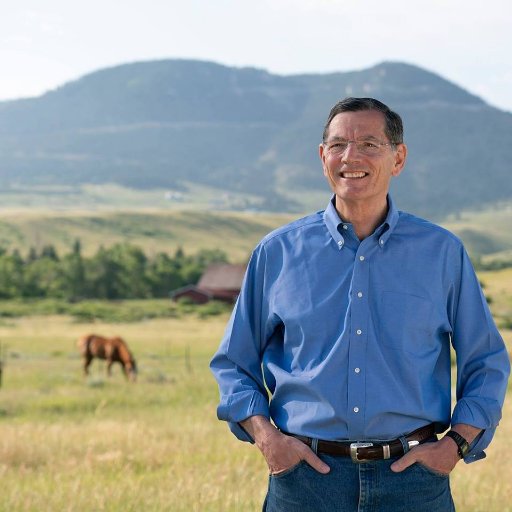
[(1, 363), (188, 363)]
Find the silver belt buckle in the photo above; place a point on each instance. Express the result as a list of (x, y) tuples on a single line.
[(353, 451)]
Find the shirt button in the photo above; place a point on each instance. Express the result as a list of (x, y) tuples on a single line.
[(381, 242), (340, 243), (359, 294), (361, 258), (356, 409), (345, 226), (357, 370), (359, 332)]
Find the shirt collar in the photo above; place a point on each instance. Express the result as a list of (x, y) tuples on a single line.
[(332, 221), (389, 224)]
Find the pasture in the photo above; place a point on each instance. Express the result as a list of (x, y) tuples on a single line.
[(69, 444), (154, 230), (108, 215)]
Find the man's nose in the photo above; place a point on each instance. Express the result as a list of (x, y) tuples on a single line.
[(351, 152)]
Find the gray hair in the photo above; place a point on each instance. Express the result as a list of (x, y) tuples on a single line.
[(394, 128)]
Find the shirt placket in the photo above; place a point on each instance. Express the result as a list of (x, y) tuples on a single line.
[(357, 366)]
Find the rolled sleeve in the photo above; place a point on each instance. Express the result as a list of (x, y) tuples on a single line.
[(238, 407), (483, 365), (480, 413), (237, 363)]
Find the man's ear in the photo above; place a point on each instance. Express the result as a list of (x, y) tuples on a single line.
[(321, 154), (400, 157)]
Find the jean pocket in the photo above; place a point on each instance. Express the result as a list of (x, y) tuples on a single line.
[(288, 471), (430, 471)]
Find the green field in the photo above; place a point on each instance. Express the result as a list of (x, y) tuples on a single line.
[(69, 444)]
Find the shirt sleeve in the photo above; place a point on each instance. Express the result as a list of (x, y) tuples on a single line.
[(237, 363), (483, 364)]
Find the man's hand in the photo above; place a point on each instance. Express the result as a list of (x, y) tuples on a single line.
[(441, 456), (280, 451)]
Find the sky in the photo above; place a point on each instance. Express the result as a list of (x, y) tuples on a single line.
[(44, 44)]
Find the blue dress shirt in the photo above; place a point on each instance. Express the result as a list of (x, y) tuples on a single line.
[(352, 338)]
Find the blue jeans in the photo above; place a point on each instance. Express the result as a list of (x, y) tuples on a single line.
[(366, 487)]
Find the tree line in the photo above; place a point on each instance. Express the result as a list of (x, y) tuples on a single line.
[(122, 271)]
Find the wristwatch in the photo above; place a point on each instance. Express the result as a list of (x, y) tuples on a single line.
[(462, 444)]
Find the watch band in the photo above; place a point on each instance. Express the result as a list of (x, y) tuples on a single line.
[(462, 444)]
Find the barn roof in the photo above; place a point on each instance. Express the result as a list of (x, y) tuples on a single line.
[(222, 276)]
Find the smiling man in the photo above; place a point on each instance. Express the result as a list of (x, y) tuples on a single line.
[(347, 317)]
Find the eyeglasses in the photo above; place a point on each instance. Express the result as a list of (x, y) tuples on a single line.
[(365, 147)]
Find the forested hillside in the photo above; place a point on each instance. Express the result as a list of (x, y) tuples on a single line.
[(167, 124)]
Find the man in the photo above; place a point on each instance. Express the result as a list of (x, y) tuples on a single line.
[(347, 317)]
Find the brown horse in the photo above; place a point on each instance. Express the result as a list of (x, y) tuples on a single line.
[(113, 350)]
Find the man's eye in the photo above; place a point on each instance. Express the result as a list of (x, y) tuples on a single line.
[(369, 145)]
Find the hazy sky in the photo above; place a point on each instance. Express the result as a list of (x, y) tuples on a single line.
[(46, 43)]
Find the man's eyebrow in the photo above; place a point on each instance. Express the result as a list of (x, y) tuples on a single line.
[(363, 137)]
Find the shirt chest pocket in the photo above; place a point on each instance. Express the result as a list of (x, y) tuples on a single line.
[(406, 322)]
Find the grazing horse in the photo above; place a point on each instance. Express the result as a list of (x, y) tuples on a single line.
[(113, 350)]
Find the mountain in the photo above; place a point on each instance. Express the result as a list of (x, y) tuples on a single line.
[(172, 122)]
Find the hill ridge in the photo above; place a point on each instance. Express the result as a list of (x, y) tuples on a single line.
[(161, 124)]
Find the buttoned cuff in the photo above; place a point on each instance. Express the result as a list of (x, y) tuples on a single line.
[(480, 413), (241, 406)]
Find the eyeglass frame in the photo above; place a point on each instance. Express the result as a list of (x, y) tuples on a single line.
[(328, 145)]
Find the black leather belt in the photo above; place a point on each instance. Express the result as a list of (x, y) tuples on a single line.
[(374, 450)]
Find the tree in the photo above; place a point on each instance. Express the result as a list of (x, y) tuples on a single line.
[(11, 275), (72, 274), (163, 275), (48, 251), (42, 278), (103, 276)]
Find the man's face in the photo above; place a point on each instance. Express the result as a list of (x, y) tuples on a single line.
[(357, 174)]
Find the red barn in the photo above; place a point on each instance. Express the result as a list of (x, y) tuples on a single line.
[(220, 281)]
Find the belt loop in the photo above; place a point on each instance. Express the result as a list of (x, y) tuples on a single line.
[(405, 444), (314, 445)]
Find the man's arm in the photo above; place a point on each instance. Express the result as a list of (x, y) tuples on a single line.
[(482, 360), (237, 363), (280, 451), (482, 373)]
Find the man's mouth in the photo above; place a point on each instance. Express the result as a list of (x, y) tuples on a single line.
[(353, 174)]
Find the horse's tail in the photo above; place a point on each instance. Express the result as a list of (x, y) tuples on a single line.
[(84, 343)]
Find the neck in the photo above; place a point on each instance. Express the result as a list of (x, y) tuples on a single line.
[(364, 217)]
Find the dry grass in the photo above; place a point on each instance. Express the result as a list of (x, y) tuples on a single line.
[(66, 444), (104, 445), (154, 230)]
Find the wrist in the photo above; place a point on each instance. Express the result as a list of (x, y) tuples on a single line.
[(460, 442), (259, 428)]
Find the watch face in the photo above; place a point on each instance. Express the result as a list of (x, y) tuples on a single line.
[(462, 444)]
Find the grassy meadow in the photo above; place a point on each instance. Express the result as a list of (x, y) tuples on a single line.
[(97, 444), (154, 230), (69, 444)]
